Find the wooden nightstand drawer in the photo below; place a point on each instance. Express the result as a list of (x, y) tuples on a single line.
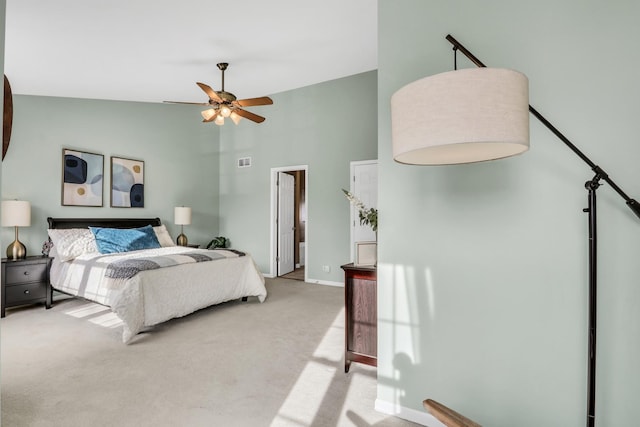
[(21, 273), (24, 293)]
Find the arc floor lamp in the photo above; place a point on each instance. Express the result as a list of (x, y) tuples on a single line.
[(482, 114)]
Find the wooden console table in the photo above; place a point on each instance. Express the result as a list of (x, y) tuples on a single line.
[(361, 315)]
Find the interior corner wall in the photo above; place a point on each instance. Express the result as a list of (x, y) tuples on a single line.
[(180, 157), (483, 268), (324, 126)]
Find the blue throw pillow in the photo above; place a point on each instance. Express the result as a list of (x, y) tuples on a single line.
[(113, 240)]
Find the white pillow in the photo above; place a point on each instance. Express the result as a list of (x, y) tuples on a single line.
[(163, 236), (73, 242)]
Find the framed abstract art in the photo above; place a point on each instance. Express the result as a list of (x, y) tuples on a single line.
[(127, 183), (82, 178)]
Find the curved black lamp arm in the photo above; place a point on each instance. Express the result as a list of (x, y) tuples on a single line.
[(632, 203)]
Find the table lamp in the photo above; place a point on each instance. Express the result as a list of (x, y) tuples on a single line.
[(16, 213), (182, 217)]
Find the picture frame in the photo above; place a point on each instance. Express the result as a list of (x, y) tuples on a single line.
[(82, 178), (366, 254), (127, 183)]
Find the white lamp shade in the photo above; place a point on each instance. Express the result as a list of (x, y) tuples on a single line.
[(16, 213), (461, 116), (207, 114), (182, 215), (235, 117), (225, 111)]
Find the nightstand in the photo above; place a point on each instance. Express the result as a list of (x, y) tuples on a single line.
[(25, 281), (192, 245)]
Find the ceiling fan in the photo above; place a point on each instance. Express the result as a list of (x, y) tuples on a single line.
[(224, 104)]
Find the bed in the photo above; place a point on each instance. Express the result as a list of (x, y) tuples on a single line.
[(145, 287)]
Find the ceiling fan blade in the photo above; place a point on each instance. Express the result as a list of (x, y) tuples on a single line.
[(247, 115), (189, 103), (210, 92), (250, 102), (209, 115)]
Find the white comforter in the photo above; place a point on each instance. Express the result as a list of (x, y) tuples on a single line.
[(154, 296)]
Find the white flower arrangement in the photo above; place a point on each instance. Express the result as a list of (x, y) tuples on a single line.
[(367, 216)]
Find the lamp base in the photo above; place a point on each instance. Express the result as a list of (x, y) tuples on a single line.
[(16, 251), (182, 240)]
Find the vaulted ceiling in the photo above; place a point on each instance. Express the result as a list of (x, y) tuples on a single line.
[(155, 50)]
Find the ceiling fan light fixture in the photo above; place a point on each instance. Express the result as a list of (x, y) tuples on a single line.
[(225, 111), (235, 117), (224, 104), (207, 114)]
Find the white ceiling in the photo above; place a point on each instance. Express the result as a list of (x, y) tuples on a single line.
[(155, 50)]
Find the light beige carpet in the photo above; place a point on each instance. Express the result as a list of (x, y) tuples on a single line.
[(237, 364)]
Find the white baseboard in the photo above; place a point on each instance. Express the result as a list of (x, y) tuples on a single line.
[(422, 418), (318, 282), (326, 282)]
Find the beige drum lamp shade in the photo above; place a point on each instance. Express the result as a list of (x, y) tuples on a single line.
[(16, 213), (461, 116), (182, 215)]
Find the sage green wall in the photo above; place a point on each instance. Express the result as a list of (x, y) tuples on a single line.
[(483, 268), (180, 155), (324, 126)]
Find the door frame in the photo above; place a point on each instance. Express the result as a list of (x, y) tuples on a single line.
[(273, 264)]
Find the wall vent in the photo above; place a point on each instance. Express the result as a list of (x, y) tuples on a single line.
[(244, 162)]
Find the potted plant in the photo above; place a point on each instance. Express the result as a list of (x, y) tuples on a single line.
[(218, 242), (366, 252), (367, 216)]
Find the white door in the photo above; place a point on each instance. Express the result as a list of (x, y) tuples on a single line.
[(286, 240), (364, 185)]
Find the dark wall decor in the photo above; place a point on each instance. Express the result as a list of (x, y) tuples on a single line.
[(7, 117), (127, 183), (82, 178)]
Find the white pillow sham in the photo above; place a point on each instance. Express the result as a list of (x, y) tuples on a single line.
[(163, 236), (72, 242)]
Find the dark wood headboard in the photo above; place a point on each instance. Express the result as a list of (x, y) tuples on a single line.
[(102, 222)]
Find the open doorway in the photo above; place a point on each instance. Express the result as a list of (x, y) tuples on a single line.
[(289, 222)]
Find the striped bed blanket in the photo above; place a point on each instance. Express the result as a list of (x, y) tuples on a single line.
[(122, 270)]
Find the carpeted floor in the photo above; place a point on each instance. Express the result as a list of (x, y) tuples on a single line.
[(237, 364)]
